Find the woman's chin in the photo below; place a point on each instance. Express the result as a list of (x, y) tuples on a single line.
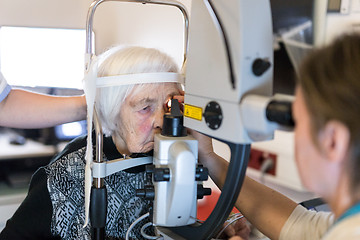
[(145, 148), (148, 147)]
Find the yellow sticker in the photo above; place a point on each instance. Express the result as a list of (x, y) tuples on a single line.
[(193, 112)]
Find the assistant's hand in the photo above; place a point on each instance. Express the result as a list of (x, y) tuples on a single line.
[(205, 142), (236, 238), (180, 99), (238, 228), (205, 147)]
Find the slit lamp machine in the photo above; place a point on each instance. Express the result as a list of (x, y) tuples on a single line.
[(228, 52)]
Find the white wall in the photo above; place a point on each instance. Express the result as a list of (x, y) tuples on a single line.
[(146, 25), (44, 13), (115, 22)]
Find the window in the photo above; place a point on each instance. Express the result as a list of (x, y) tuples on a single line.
[(42, 57)]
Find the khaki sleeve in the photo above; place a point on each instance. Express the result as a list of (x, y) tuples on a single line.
[(304, 224)]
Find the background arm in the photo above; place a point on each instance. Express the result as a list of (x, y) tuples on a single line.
[(24, 109)]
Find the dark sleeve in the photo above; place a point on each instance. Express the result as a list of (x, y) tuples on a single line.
[(32, 220)]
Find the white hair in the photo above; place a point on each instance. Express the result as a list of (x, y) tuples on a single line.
[(125, 60)]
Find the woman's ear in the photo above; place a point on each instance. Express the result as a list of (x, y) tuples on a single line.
[(334, 141)]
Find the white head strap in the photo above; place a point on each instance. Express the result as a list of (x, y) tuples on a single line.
[(139, 78), (91, 82)]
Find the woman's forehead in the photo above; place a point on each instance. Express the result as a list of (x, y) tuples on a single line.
[(152, 92)]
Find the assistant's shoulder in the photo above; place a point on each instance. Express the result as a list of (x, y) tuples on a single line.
[(348, 228)]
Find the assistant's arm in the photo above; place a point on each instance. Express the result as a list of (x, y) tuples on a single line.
[(265, 208), (24, 109)]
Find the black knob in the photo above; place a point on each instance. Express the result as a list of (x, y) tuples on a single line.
[(202, 173), (148, 192), (201, 191), (213, 115), (149, 169), (260, 66), (161, 174)]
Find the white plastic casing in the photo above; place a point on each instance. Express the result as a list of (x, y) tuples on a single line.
[(248, 30), (175, 200)]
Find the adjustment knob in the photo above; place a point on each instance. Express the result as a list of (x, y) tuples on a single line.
[(201, 191), (213, 115), (260, 66), (202, 173), (149, 169), (161, 174), (148, 192)]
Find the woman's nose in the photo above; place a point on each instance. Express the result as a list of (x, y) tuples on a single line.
[(158, 119)]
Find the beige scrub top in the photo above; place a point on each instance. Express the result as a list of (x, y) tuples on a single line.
[(304, 224)]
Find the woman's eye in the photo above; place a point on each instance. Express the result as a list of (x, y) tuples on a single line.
[(145, 109)]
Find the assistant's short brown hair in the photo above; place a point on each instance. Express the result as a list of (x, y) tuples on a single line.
[(330, 81)]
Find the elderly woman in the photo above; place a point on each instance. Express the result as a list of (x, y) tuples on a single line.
[(130, 115), (327, 143)]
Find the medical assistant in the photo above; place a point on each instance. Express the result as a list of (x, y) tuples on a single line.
[(4, 87), (304, 225)]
